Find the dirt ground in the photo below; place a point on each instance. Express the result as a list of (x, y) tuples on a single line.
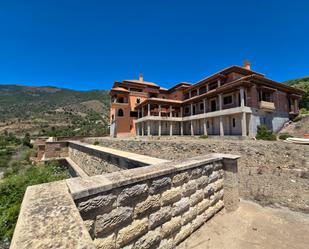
[(252, 226), (271, 173)]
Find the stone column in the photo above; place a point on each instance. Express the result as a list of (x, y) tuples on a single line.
[(159, 133), (295, 105), (171, 128), (205, 126), (220, 102), (181, 128), (171, 113), (137, 129), (142, 111), (148, 113), (143, 130), (181, 111), (191, 106), (198, 91), (159, 110), (242, 97), (148, 128), (231, 194), (243, 124), (219, 83), (221, 126), (192, 128)]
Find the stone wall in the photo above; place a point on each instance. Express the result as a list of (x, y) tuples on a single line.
[(96, 160), (91, 162), (56, 149), (161, 207)]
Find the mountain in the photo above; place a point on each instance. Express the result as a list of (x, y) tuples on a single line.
[(50, 110), (303, 84)]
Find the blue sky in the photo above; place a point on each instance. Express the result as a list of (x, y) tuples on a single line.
[(89, 44)]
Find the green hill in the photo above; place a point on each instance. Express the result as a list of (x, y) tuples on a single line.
[(53, 111), (303, 84)]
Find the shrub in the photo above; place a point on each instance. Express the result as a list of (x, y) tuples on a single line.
[(284, 136), (298, 118), (264, 134), (303, 111), (203, 136), (96, 143), (12, 190)]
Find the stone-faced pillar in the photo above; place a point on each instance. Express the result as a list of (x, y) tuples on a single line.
[(243, 124), (159, 110), (148, 128), (159, 132), (231, 193), (181, 128), (171, 128), (221, 126), (205, 126), (192, 128), (242, 97), (148, 113)]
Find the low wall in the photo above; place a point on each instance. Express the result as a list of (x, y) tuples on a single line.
[(158, 205)]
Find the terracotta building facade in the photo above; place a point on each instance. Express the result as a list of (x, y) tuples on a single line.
[(232, 102)]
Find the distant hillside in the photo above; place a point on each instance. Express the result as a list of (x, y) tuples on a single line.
[(53, 111), (303, 84), (17, 101)]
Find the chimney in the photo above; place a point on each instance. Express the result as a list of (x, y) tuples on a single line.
[(247, 64), (141, 78)]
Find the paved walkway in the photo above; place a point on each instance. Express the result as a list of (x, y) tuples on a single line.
[(252, 226)]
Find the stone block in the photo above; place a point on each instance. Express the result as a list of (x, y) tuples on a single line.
[(189, 188), (102, 202), (112, 221), (218, 185), (160, 185), (207, 170), (210, 212), (184, 232), (214, 176), (129, 195), (151, 204), (202, 182), (180, 206), (170, 196), (196, 173), (180, 179), (132, 231), (197, 197), (189, 215), (159, 217), (149, 240), (198, 222), (216, 197), (166, 244), (170, 227), (202, 206), (106, 243), (208, 190), (217, 165)]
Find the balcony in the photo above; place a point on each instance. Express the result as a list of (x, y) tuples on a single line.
[(267, 106)]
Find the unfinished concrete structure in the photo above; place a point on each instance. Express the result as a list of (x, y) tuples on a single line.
[(233, 101), (158, 204)]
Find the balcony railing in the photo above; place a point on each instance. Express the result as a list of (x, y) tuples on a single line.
[(267, 106)]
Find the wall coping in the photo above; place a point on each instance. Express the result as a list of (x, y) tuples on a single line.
[(49, 218), (147, 160), (83, 187)]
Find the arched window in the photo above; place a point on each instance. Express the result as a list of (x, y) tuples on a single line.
[(138, 100), (120, 113)]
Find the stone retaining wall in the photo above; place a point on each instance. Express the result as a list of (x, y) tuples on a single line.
[(158, 207)]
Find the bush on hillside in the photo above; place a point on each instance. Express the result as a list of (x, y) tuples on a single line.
[(264, 134), (303, 111), (284, 136), (12, 190), (298, 118)]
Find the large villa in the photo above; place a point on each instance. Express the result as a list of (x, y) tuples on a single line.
[(233, 101)]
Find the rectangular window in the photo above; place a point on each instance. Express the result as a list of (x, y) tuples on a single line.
[(133, 114), (187, 110), (201, 106), (227, 100), (234, 122)]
